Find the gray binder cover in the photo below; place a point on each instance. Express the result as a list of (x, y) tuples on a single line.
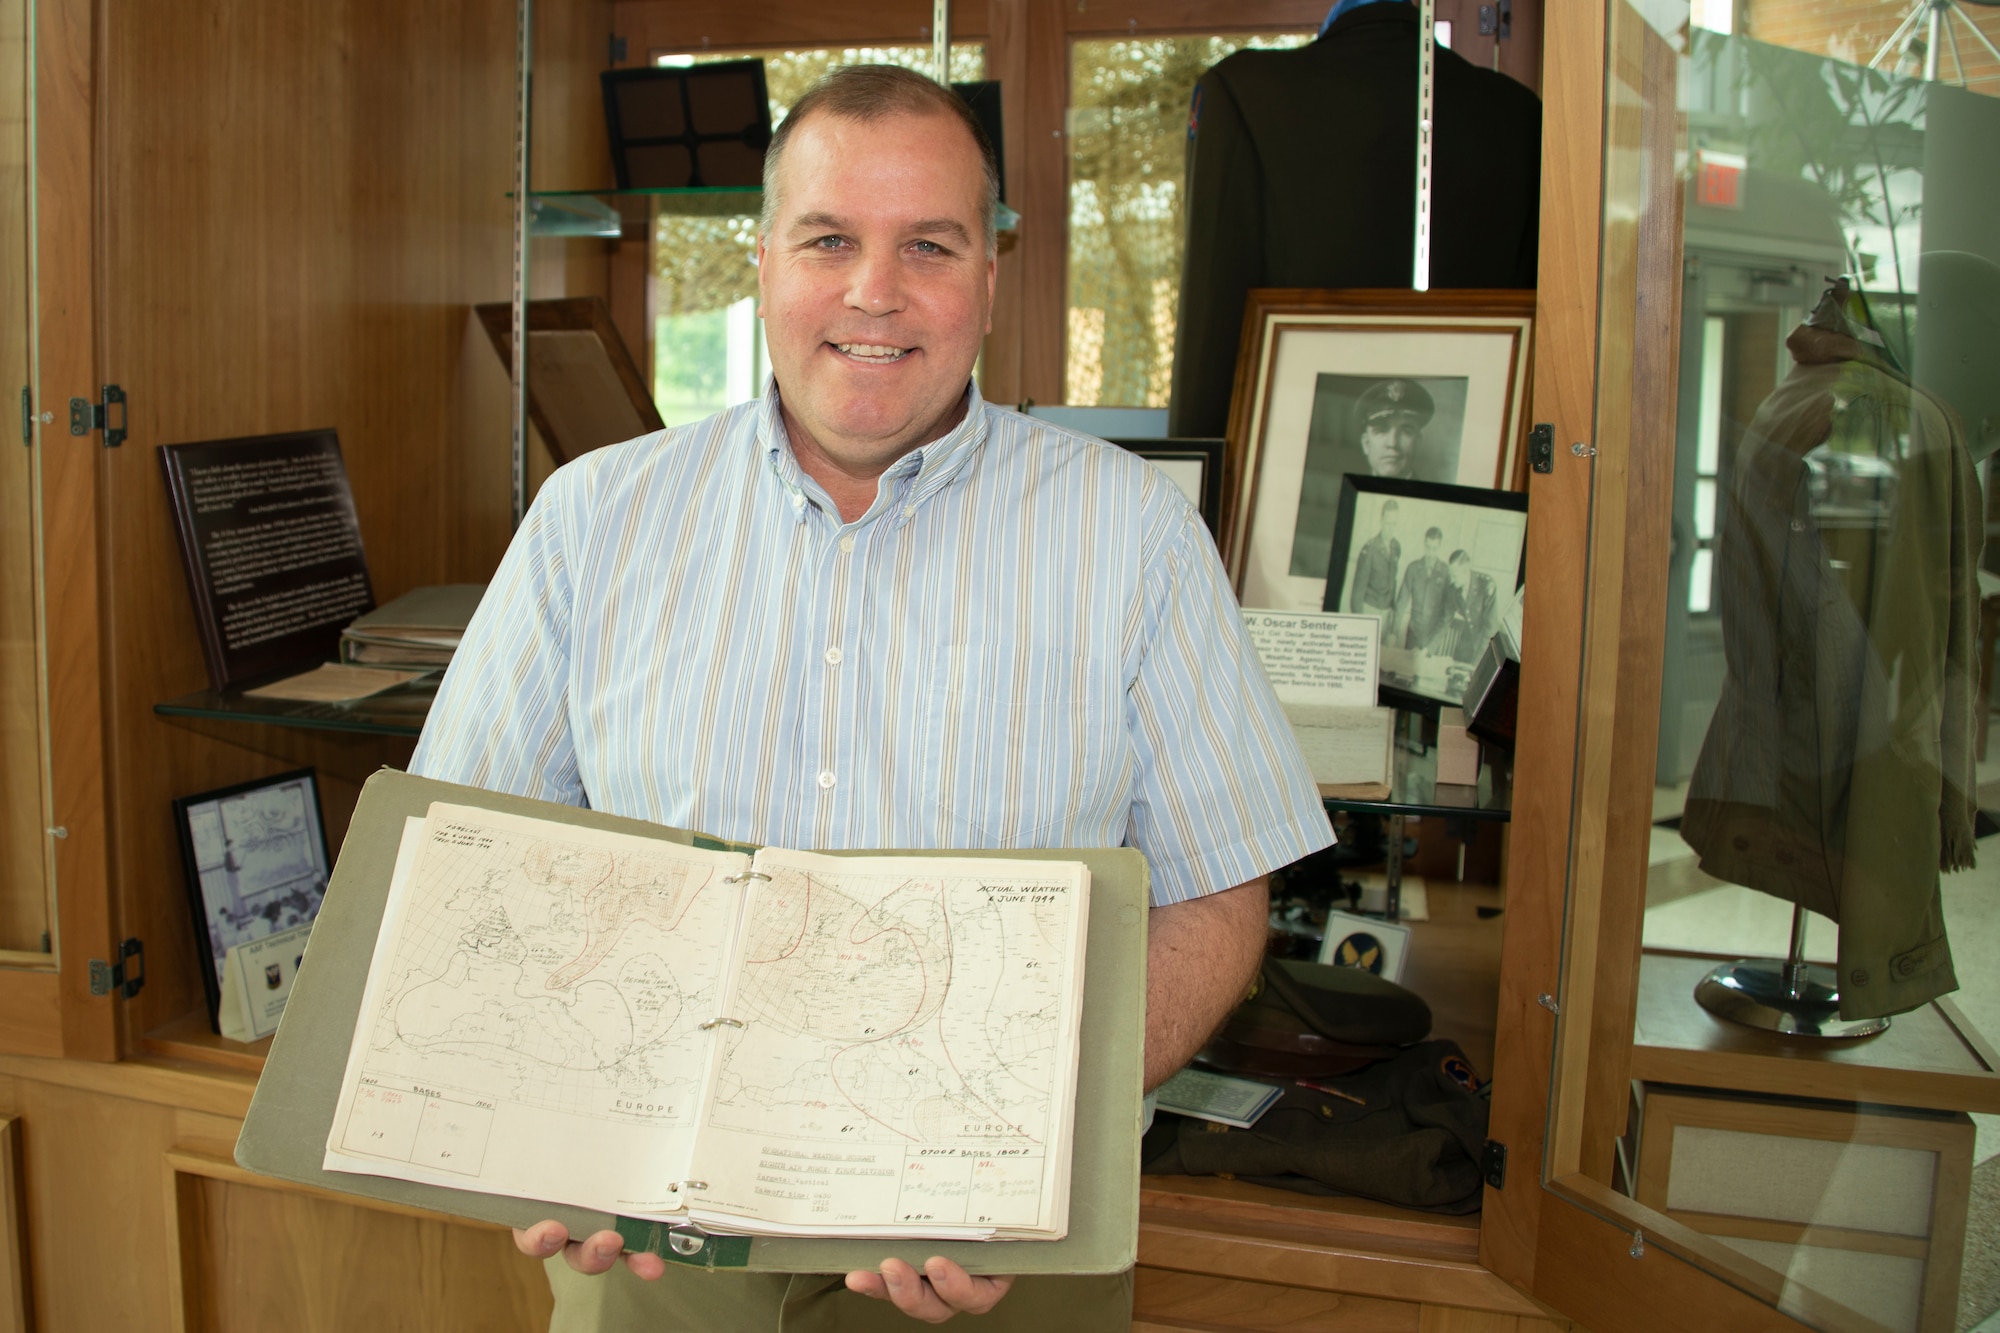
[(285, 1133)]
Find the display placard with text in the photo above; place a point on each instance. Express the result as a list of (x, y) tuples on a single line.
[(271, 547)]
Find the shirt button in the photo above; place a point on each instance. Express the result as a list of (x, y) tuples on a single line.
[(846, 545), (833, 657), (826, 781), (909, 511)]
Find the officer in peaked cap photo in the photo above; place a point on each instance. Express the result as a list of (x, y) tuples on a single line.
[(1389, 421)]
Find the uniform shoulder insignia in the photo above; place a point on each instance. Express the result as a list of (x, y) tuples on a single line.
[(1457, 1070)]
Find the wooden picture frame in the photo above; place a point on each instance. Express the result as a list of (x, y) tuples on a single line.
[(1428, 539), (1195, 466), (1445, 372), (584, 389)]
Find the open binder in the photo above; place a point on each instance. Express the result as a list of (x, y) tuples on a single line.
[(285, 1134)]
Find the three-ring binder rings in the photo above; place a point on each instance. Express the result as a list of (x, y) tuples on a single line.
[(786, 1060)]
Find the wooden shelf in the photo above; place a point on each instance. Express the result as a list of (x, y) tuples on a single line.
[(190, 1039), (1929, 1058), (1241, 1232)]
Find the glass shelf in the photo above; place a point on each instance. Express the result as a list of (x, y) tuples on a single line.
[(1415, 790), (605, 213), (599, 212), (396, 712)]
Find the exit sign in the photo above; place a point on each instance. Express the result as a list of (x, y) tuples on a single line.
[(1718, 178)]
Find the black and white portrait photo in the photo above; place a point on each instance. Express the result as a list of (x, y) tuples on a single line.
[(1413, 387), (1378, 426)]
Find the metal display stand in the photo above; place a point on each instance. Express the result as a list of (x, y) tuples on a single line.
[(1934, 18), (1788, 995), (524, 55), (1420, 263), (1415, 790)]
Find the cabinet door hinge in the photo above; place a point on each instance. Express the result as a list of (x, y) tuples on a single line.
[(1493, 1163), (86, 416), (27, 416), (617, 49), (1542, 447), (127, 976)]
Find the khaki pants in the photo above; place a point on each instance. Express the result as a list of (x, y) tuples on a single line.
[(692, 1300)]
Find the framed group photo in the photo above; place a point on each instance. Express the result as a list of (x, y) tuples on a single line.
[(1428, 387), (1438, 564)]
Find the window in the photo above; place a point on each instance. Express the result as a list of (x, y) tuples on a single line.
[(1128, 146)]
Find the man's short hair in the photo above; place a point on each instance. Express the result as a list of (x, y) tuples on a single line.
[(1388, 507), (1459, 557), (1434, 534), (869, 93)]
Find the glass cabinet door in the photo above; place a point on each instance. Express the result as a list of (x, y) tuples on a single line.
[(1771, 1095), (25, 883), (55, 908)]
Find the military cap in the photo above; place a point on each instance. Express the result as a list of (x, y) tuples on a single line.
[(1396, 397)]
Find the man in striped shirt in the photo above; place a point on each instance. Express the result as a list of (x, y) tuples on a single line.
[(873, 611)]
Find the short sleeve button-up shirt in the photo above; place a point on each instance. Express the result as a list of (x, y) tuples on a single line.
[(1026, 641)]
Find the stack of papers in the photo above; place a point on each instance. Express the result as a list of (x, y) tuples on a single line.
[(422, 628)]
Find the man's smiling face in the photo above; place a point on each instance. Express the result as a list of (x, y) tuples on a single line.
[(875, 286)]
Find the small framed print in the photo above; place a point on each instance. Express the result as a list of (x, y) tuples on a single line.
[(256, 863), (1369, 943), (1193, 465), (1438, 564), (1397, 385)]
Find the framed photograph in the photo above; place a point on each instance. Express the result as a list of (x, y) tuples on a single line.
[(256, 863), (1439, 564), (1369, 943), (1410, 386), (1193, 465)]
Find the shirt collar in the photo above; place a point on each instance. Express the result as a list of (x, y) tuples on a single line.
[(910, 479)]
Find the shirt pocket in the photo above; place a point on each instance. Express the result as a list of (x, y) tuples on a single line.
[(1024, 747)]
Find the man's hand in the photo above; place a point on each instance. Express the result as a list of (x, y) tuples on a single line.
[(942, 1290), (593, 1255)]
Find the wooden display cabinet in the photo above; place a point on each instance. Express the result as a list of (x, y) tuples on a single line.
[(256, 218)]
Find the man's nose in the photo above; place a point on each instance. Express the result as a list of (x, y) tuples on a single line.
[(877, 286)]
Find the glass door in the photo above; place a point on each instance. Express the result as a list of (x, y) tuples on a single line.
[(1772, 1077), (25, 880)]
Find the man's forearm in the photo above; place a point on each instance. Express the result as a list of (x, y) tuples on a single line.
[(1200, 957)]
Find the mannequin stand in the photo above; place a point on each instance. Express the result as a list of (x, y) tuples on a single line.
[(1788, 996)]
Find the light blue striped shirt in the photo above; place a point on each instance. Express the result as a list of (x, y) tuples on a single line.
[(1027, 641)]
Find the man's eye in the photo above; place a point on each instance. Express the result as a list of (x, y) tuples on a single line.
[(927, 248), (829, 242)]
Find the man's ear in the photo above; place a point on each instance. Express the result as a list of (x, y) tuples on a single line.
[(992, 278), (762, 256)]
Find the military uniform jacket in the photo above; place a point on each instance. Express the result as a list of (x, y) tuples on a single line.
[(1425, 602), (1375, 573), (1838, 770), (1302, 169), (1472, 621)]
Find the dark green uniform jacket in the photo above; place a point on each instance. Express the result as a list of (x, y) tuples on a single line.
[(1302, 169), (1838, 770)]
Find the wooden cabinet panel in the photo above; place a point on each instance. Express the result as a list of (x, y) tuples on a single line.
[(139, 1221), (251, 1258), (1188, 1300)]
